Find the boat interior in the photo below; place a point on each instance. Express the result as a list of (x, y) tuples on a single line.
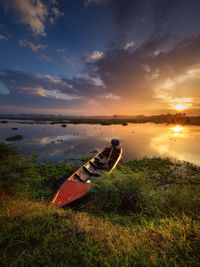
[(105, 160)]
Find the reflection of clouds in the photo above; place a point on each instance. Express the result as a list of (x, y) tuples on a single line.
[(43, 141), (49, 139), (148, 139), (54, 152)]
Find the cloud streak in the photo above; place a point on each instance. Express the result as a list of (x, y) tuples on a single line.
[(32, 46), (3, 38), (35, 48), (67, 60)]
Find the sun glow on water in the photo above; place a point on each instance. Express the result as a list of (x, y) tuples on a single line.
[(178, 129)]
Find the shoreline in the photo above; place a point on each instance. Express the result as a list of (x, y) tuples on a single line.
[(155, 120)]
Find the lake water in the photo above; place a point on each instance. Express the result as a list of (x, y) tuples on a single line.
[(138, 140)]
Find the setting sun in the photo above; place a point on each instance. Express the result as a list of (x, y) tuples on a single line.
[(181, 106)]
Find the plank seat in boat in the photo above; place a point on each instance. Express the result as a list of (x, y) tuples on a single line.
[(98, 172), (88, 171), (94, 165), (95, 172), (100, 163), (83, 175)]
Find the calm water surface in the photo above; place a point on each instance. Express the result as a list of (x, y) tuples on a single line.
[(138, 140)]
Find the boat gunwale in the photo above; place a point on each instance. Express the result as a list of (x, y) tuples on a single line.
[(81, 181)]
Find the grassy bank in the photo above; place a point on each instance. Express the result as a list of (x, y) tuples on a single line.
[(146, 213)]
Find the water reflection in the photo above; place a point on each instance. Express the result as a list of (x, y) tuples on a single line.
[(55, 143), (177, 129), (179, 142), (52, 139), (180, 131)]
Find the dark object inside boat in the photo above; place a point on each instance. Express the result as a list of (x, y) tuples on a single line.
[(115, 142)]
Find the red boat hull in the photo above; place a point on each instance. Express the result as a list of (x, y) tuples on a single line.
[(70, 191)]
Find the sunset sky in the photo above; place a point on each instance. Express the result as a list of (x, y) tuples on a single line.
[(99, 57)]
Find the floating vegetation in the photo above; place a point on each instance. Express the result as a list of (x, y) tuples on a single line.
[(94, 151), (14, 128), (106, 123), (63, 125), (124, 123), (58, 140), (15, 138)]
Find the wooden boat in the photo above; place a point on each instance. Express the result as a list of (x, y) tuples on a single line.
[(78, 184)]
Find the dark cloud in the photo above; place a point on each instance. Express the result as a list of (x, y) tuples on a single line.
[(182, 57), (125, 13), (37, 92), (46, 86), (17, 81), (134, 74), (94, 2), (133, 16), (122, 79), (161, 9), (123, 71)]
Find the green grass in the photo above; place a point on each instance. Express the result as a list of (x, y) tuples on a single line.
[(146, 213), (94, 151)]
